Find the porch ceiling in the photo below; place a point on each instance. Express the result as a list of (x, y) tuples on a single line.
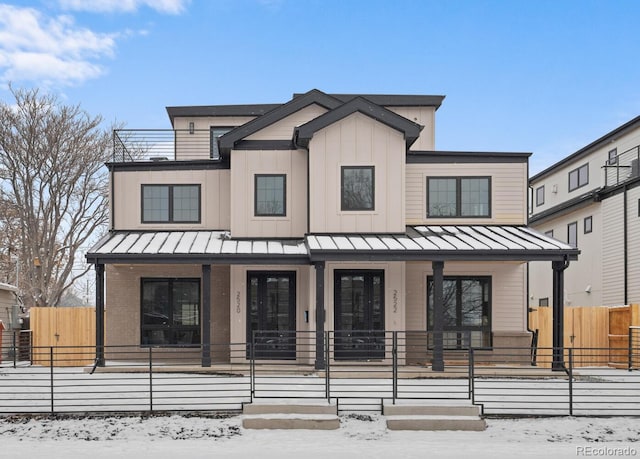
[(425, 243)]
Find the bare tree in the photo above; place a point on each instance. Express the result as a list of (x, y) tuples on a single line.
[(53, 182)]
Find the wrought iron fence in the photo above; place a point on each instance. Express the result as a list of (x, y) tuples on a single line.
[(358, 370), (162, 145)]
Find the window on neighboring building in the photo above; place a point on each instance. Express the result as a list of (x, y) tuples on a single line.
[(540, 195), (170, 312), (170, 203), (270, 195), (549, 233), (458, 196), (613, 156), (588, 224), (572, 234), (543, 302), (467, 310), (579, 177), (357, 187), (215, 133)]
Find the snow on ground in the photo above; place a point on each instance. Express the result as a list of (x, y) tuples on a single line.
[(364, 435)]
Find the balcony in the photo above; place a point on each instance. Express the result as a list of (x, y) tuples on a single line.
[(622, 167), (135, 145)]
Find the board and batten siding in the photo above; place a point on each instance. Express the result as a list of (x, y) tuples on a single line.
[(357, 140), (215, 200), (633, 245), (508, 287), (283, 129), (245, 164), (508, 192), (613, 251), (424, 116)]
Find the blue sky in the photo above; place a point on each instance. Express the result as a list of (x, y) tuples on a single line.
[(544, 76)]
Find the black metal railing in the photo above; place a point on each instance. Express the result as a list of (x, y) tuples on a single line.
[(162, 145), (624, 166), (15, 347), (367, 374)]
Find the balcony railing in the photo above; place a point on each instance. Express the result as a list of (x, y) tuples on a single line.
[(622, 167), (131, 145)]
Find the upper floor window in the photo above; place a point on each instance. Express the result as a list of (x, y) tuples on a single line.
[(458, 196), (549, 233), (270, 195), (579, 177), (572, 234), (170, 203), (540, 195), (357, 187), (613, 156), (588, 224), (215, 133)]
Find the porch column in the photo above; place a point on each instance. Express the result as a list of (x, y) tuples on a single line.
[(437, 363), (558, 313), (206, 315), (320, 357), (99, 314)]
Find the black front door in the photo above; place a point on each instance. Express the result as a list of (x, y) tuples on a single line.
[(359, 314), (271, 314)]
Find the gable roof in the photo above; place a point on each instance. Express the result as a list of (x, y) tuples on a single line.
[(314, 96), (411, 130), (393, 100)]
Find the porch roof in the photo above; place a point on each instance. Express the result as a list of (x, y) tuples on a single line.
[(433, 243)]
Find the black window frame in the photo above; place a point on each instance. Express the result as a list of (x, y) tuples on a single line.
[(576, 171), (343, 207), (612, 157), (587, 224), (549, 233), (459, 180), (213, 140), (171, 218), (256, 177), (539, 194), (543, 302), (569, 226), (171, 326)]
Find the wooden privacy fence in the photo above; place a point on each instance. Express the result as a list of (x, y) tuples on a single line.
[(602, 329), (68, 329)]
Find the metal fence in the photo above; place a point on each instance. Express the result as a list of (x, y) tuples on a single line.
[(361, 371), (162, 145), (622, 167)]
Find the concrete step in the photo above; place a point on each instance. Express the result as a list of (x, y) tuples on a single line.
[(291, 421), (290, 414), (449, 408), (435, 422)]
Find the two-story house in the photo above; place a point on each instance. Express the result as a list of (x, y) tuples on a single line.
[(591, 200), (328, 215)]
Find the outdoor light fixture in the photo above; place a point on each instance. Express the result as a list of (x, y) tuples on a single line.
[(191, 127)]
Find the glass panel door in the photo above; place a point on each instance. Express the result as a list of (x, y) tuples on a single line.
[(359, 314), (271, 320)]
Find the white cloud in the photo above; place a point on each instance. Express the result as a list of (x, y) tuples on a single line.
[(49, 50), (125, 6)]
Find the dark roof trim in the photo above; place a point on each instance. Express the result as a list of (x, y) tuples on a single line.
[(411, 130), (565, 207), (200, 164), (170, 165), (231, 259), (264, 145), (227, 141), (393, 100), (220, 110), (607, 138), (445, 157), (609, 191)]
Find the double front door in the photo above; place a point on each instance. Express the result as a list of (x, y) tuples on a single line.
[(359, 314), (271, 314)]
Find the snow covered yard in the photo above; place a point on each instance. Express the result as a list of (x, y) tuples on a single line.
[(365, 435)]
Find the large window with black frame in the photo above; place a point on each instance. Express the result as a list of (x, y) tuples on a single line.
[(467, 311), (170, 311)]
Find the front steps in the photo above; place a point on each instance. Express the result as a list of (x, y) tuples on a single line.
[(434, 415), (290, 414), (319, 414)]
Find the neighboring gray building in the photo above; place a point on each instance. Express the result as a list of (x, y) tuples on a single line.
[(591, 199)]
